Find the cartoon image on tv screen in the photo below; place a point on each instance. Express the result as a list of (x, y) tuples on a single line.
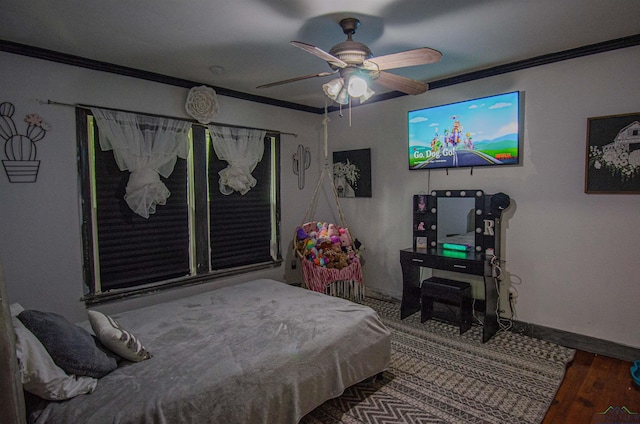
[(477, 132)]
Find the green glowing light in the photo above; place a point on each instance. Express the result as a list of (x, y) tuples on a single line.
[(454, 254), (453, 246)]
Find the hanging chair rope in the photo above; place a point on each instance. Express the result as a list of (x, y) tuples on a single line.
[(326, 172), (346, 281)]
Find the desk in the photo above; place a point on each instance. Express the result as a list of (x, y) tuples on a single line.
[(411, 260)]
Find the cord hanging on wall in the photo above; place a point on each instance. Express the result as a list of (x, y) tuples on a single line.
[(301, 162)]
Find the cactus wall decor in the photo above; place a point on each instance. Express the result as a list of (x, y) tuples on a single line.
[(20, 150), (301, 162)]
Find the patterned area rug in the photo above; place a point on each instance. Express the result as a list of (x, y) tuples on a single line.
[(437, 375)]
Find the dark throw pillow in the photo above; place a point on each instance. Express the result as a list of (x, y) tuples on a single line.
[(71, 347)]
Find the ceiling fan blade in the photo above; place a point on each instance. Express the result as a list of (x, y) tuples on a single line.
[(320, 53), (421, 56), (400, 83), (304, 77)]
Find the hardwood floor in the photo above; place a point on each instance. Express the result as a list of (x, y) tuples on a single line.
[(592, 384)]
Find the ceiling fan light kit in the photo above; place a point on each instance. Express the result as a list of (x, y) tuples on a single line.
[(357, 67), (357, 86), (333, 87)]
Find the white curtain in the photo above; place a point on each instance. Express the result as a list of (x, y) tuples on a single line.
[(242, 148), (147, 147)]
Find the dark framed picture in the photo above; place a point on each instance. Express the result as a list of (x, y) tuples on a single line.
[(613, 154), (352, 173)]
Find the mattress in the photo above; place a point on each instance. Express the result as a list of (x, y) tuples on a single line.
[(257, 352)]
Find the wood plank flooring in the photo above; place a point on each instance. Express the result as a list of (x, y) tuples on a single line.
[(592, 384)]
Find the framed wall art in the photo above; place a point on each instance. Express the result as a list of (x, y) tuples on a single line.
[(613, 155), (352, 173)]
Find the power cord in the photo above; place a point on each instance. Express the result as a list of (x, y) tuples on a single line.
[(504, 324), (473, 306), (512, 306)]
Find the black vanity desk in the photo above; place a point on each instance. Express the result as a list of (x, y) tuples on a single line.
[(411, 260)]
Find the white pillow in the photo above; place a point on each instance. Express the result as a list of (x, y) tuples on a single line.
[(116, 338), (40, 375)]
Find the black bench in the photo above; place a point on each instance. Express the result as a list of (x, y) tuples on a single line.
[(449, 292)]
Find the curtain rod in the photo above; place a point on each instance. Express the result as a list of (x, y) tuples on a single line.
[(53, 102)]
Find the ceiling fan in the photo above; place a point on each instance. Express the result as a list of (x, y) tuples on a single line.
[(355, 64)]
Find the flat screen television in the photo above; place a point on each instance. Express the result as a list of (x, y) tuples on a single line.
[(477, 132)]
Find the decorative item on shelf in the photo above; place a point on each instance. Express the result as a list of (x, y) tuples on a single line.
[(421, 242), (21, 165), (422, 204), (301, 162), (202, 104)]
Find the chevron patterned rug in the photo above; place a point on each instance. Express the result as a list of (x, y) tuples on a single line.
[(437, 375)]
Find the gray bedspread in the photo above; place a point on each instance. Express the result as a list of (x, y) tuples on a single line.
[(258, 352)]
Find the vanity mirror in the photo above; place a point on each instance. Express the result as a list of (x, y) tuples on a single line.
[(454, 220)]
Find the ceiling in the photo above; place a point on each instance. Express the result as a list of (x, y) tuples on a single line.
[(240, 44)]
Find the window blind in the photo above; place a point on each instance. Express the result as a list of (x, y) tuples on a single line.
[(133, 250), (240, 225)]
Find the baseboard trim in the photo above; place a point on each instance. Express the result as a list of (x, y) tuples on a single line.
[(577, 341), (376, 294), (553, 335)]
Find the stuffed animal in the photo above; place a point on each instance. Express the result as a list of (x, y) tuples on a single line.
[(327, 245), (345, 238), (342, 261), (330, 256), (309, 251), (323, 231), (301, 234)]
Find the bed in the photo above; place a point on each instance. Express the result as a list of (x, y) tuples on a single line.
[(257, 352)]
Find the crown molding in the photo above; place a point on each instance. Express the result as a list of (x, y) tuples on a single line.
[(39, 53)]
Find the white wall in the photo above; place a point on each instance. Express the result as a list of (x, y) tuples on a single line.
[(40, 239), (572, 255)]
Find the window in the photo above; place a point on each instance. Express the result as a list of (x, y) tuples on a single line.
[(198, 234)]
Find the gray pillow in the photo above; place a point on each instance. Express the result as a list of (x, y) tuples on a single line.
[(71, 347)]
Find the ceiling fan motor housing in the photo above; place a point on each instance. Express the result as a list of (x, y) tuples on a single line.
[(351, 52)]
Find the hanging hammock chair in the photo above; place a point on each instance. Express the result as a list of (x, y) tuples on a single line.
[(329, 255)]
